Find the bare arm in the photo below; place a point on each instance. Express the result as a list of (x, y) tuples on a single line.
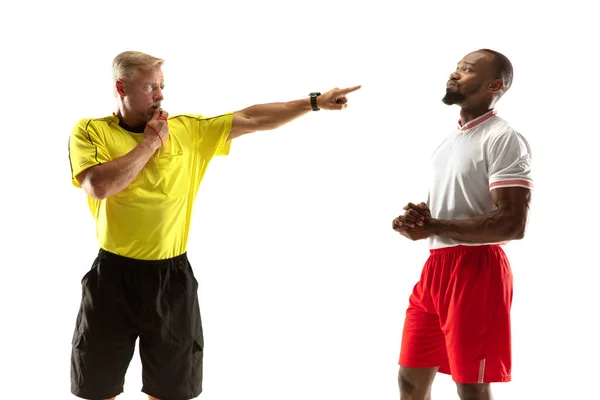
[(105, 180), (263, 117), (506, 222)]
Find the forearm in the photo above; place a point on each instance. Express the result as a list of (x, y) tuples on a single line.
[(112, 177), (492, 227), (273, 115)]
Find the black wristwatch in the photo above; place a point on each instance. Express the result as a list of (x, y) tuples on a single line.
[(313, 100)]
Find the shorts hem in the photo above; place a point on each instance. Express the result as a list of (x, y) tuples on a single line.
[(493, 379), (157, 395), (83, 394), (403, 363), (456, 378), (441, 369)]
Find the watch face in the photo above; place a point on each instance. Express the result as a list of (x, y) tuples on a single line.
[(315, 94)]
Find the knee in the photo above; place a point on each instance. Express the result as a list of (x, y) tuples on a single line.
[(412, 389), (478, 391), (407, 387)]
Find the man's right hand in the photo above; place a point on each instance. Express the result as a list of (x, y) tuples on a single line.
[(409, 231), (157, 129), (412, 224), (417, 214)]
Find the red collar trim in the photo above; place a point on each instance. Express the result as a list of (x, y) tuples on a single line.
[(476, 121)]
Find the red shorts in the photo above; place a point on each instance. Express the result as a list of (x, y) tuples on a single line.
[(458, 317)]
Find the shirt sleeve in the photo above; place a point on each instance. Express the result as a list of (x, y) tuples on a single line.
[(509, 161), (86, 149), (213, 133)]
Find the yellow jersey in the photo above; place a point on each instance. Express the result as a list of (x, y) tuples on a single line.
[(150, 219)]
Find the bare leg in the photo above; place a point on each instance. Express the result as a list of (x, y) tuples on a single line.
[(475, 391), (152, 398), (415, 383)]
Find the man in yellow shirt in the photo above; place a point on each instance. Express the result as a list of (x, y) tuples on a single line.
[(141, 170)]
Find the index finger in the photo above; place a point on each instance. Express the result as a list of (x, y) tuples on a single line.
[(409, 205), (398, 223), (350, 89)]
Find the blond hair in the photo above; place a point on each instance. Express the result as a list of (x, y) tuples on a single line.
[(126, 65)]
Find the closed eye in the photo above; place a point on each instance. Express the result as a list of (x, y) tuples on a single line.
[(465, 67)]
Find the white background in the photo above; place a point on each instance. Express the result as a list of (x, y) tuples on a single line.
[(303, 284)]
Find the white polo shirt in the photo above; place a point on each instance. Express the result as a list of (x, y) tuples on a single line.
[(478, 157)]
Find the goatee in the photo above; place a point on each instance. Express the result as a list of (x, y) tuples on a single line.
[(453, 98)]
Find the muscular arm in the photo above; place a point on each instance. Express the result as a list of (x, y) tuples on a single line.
[(105, 180), (506, 222), (263, 117)]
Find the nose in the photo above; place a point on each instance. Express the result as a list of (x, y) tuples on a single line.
[(454, 76), (158, 96)]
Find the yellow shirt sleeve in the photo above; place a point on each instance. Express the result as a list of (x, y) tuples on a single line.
[(86, 149), (213, 134)]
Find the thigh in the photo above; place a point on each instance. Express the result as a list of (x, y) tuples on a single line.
[(172, 342), (423, 341), (104, 341), (477, 318)]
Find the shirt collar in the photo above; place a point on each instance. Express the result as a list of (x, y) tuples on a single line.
[(477, 121), (114, 119)]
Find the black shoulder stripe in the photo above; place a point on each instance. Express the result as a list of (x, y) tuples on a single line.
[(90, 139)]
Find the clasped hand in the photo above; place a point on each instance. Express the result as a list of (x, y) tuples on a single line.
[(414, 223)]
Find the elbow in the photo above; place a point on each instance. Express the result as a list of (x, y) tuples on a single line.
[(518, 235), (97, 194), (94, 188), (515, 230)]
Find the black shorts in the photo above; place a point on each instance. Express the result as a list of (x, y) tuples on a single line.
[(124, 299)]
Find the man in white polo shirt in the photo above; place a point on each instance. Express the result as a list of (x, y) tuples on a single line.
[(458, 318)]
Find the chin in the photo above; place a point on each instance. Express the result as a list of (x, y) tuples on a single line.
[(448, 101), (452, 98), (146, 117)]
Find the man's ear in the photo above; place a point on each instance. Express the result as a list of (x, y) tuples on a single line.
[(120, 86), (496, 85)]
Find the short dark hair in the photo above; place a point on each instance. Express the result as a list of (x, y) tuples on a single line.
[(504, 68)]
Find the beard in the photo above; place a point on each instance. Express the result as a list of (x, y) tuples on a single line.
[(147, 115), (455, 97)]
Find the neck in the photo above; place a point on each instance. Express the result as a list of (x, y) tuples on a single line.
[(469, 114), (129, 122)]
